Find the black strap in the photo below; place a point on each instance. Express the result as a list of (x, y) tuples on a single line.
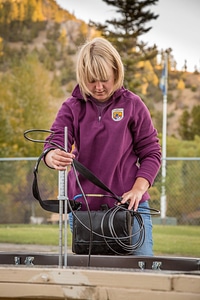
[(91, 177), (50, 205)]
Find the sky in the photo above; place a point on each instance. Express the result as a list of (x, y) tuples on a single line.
[(176, 27)]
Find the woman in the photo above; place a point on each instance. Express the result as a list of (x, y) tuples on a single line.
[(112, 133)]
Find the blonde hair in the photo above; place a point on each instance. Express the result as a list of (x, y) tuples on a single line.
[(93, 63)]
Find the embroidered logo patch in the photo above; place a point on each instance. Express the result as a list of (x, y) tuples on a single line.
[(117, 114)]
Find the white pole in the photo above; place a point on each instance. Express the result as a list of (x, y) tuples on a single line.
[(61, 188), (163, 207), (62, 197), (66, 204)]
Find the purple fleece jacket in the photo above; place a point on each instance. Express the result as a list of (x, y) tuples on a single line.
[(116, 140)]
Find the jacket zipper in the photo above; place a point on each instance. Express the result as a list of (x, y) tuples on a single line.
[(100, 112)]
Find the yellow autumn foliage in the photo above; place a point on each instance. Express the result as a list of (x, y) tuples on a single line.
[(180, 85)]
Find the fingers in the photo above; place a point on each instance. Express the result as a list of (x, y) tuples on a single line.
[(132, 204), (132, 200), (60, 160)]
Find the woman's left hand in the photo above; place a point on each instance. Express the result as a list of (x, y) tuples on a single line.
[(134, 196)]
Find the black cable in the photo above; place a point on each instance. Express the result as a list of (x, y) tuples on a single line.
[(43, 141), (119, 240), (89, 214)]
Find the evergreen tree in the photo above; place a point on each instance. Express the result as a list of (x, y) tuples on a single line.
[(184, 128), (124, 31), (195, 125), (190, 124)]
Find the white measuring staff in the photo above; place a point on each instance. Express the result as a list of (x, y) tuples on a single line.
[(62, 196)]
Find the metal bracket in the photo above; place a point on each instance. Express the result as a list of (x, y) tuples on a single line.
[(141, 265), (29, 261), (156, 265), (17, 260)]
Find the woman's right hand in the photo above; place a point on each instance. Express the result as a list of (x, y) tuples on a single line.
[(59, 159)]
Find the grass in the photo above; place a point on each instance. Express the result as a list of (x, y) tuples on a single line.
[(177, 240), (168, 240), (31, 234)]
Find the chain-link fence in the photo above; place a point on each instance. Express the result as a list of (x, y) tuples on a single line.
[(17, 204)]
